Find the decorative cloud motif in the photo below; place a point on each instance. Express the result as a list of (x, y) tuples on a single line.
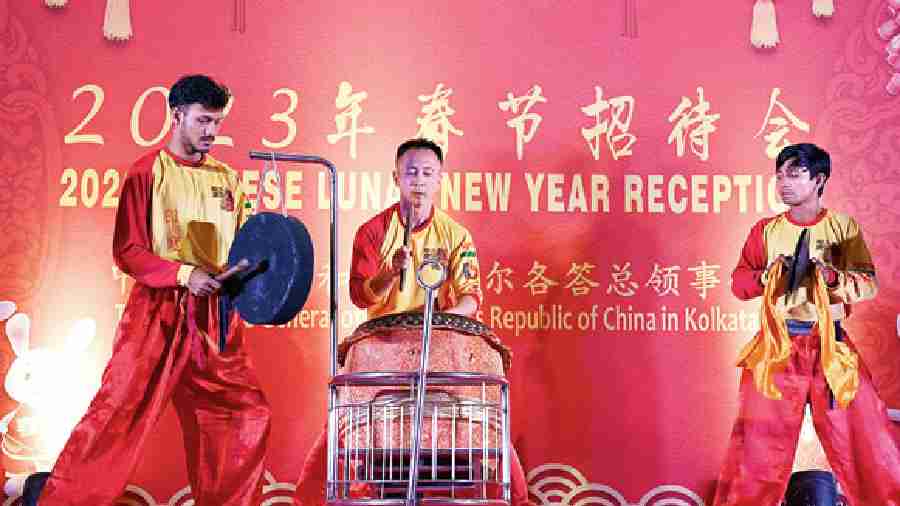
[(562, 485), (273, 493)]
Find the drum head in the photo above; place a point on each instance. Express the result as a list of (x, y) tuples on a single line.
[(277, 285), (416, 320)]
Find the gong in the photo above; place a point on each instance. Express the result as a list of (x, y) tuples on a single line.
[(276, 285)]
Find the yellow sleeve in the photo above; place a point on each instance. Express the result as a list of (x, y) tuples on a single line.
[(855, 271)]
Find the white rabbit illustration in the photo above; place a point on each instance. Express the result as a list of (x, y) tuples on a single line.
[(53, 386)]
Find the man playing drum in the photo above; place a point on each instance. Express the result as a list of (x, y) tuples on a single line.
[(380, 257), (178, 213), (397, 241)]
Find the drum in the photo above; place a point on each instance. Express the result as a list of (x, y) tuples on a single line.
[(456, 416), (393, 343)]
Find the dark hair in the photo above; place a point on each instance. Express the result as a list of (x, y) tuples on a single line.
[(815, 159), (199, 89), (420, 143)]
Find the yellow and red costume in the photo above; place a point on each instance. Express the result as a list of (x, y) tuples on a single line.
[(800, 355), (174, 216), (374, 246), (438, 237)]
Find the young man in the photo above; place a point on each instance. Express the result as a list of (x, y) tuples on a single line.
[(379, 258), (802, 353), (178, 213)]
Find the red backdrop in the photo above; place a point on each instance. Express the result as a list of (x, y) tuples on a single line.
[(627, 407)]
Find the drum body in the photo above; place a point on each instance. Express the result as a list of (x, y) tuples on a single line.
[(465, 427), (399, 349)]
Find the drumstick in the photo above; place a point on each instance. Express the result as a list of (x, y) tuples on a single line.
[(236, 268), (406, 230), (225, 303)]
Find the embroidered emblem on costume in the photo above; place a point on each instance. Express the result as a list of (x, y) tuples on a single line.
[(228, 201), (173, 238), (470, 271), (217, 192)]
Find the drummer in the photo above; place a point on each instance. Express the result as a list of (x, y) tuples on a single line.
[(380, 258)]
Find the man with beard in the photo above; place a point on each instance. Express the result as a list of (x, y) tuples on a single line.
[(178, 214)]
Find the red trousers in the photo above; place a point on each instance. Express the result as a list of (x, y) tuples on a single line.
[(167, 348), (311, 485), (857, 440)]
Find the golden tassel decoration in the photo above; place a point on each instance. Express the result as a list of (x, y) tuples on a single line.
[(117, 22), (770, 349), (823, 8), (768, 352), (764, 31), (839, 363)]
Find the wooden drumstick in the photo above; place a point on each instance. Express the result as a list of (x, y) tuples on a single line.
[(236, 268), (406, 231), (225, 303)]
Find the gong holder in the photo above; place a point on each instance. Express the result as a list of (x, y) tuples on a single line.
[(333, 273), (333, 276)]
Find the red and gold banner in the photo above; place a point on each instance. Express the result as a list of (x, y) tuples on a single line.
[(608, 158)]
